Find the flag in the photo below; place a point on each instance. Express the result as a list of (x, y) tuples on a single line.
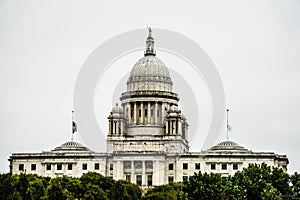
[(74, 127), (229, 128)]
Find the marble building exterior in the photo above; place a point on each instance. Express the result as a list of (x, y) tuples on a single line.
[(147, 140)]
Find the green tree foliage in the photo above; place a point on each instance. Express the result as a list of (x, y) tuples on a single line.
[(91, 186), (170, 191), (257, 182), (295, 185), (261, 181)]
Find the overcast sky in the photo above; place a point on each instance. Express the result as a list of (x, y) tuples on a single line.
[(255, 46)]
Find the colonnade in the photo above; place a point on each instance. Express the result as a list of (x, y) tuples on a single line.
[(116, 127), (145, 112)]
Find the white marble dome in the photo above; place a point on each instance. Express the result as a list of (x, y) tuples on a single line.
[(149, 73)]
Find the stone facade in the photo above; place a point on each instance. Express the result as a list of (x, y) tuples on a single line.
[(147, 141)]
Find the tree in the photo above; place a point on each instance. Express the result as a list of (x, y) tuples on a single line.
[(207, 186), (295, 185), (55, 190), (171, 191)]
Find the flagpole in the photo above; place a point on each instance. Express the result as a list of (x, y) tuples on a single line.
[(72, 130), (227, 135)]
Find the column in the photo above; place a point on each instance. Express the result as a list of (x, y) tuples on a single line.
[(162, 112), (149, 113), (167, 127), (155, 113), (134, 113), (129, 113), (142, 112), (186, 134), (156, 175), (113, 127), (179, 127), (144, 173), (173, 127), (121, 127), (133, 178), (109, 127), (118, 170)]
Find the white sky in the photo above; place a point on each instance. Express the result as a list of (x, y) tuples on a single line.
[(255, 46)]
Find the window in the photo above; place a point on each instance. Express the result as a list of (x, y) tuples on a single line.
[(149, 164), (33, 167), (235, 166), (97, 166), (171, 166), (149, 178), (21, 167), (224, 166), (59, 166), (127, 164), (151, 111), (185, 166), (213, 166), (185, 178), (197, 166), (171, 179), (146, 112), (128, 177), (84, 166), (138, 164), (48, 166), (70, 166), (139, 180), (157, 112), (111, 166), (140, 113)]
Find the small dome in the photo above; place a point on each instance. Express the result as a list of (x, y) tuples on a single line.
[(228, 146), (173, 108), (117, 109), (71, 146)]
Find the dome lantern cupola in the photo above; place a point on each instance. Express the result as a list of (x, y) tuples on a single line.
[(150, 44)]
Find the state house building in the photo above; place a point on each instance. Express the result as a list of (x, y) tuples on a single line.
[(147, 140)]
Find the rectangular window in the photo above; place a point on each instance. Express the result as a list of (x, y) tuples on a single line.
[(84, 166), (185, 166), (59, 166), (157, 112), (149, 179), (33, 167), (185, 178), (127, 164), (235, 166), (213, 166), (139, 180), (111, 166), (48, 166), (197, 166), (171, 179), (70, 166), (128, 178), (21, 167), (146, 112), (171, 166), (97, 166), (224, 166), (140, 113)]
